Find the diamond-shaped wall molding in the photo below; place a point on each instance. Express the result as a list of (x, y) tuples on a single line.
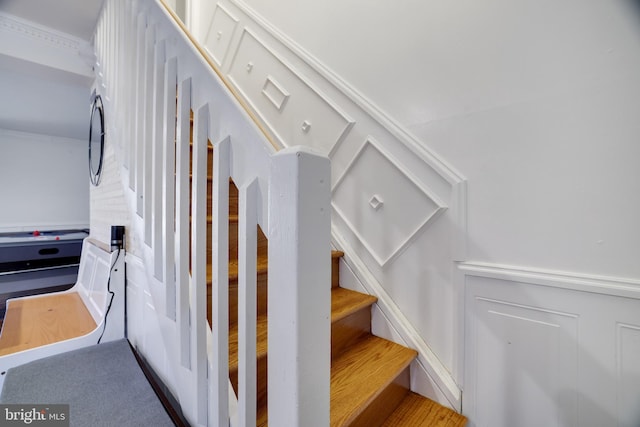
[(275, 93), (371, 181), (303, 114), (376, 202)]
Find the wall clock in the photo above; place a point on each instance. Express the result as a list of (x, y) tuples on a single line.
[(96, 140)]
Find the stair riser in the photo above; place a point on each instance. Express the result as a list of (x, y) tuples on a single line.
[(210, 160), (262, 244), (262, 298), (233, 196), (335, 272), (385, 403), (348, 330), (261, 308)]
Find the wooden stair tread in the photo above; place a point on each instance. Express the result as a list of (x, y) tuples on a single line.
[(261, 342), (261, 265), (210, 178), (261, 268), (34, 322), (418, 411), (345, 302), (361, 373), (209, 145), (232, 219)]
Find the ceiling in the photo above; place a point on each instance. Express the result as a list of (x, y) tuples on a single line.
[(46, 89), (74, 17)]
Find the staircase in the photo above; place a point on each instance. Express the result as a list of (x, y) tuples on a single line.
[(369, 375), (287, 191)]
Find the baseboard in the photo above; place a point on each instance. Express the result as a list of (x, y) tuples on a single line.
[(429, 376), (165, 396)]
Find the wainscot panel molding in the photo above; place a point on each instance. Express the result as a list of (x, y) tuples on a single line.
[(368, 202), (295, 111), (627, 373), (218, 38), (550, 348), (312, 66)]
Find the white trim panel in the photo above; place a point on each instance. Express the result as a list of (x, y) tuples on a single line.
[(384, 232), (615, 286), (293, 109)]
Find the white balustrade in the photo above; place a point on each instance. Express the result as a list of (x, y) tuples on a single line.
[(153, 77)]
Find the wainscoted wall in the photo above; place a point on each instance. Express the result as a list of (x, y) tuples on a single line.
[(550, 348), (398, 210), (537, 104), (44, 182)]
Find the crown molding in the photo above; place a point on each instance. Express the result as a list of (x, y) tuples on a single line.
[(15, 25)]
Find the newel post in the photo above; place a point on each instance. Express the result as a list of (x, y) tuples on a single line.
[(299, 305)]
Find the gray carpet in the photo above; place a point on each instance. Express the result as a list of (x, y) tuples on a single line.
[(103, 385)]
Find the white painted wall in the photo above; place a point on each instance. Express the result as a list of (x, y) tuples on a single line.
[(40, 102), (44, 182), (535, 103)]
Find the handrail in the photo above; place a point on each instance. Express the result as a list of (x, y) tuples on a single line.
[(221, 76)]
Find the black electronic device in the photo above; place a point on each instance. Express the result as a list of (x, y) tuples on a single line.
[(117, 237)]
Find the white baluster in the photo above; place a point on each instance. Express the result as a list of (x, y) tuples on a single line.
[(147, 138), (183, 220), (169, 179), (218, 408), (199, 260), (247, 304), (157, 149), (136, 172)]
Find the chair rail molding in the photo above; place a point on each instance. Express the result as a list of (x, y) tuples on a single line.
[(614, 286)]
